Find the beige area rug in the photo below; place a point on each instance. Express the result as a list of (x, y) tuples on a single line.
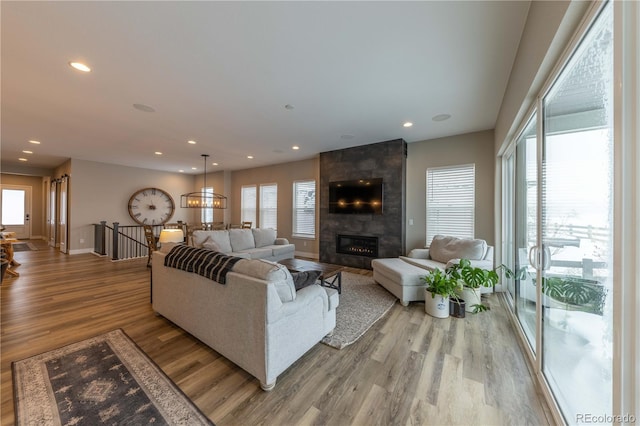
[(107, 379), (362, 303)]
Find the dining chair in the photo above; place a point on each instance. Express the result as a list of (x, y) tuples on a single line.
[(152, 245)]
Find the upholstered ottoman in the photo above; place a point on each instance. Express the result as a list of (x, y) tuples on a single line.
[(400, 278)]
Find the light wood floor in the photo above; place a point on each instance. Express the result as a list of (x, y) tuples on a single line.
[(408, 369)]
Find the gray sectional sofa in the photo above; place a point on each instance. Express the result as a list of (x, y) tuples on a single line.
[(256, 319), (256, 243)]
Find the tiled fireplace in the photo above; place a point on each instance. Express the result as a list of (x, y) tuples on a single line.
[(355, 239), (357, 245)]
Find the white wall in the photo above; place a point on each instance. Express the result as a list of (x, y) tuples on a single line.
[(469, 148), (101, 191)]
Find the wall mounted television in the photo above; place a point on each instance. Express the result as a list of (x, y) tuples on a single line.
[(360, 196)]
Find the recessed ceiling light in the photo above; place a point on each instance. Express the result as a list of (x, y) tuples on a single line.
[(295, 147), (407, 124), (27, 152), (80, 66), (35, 142), (22, 159), (158, 153), (441, 117), (144, 108), (194, 168), (289, 107), (191, 142), (250, 157), (181, 171), (214, 164)]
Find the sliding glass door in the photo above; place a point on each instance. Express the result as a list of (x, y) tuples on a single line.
[(559, 214), (577, 211), (520, 226)]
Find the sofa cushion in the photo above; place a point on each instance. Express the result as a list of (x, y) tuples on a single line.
[(399, 271), (280, 250), (426, 264), (209, 244), (241, 239), (221, 238), (444, 248), (199, 237), (264, 236), (305, 278), (256, 253), (272, 272)]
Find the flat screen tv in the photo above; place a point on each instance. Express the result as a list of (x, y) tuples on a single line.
[(361, 196)]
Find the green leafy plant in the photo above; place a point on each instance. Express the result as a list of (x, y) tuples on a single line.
[(479, 307), (440, 283), (576, 293), (474, 277)]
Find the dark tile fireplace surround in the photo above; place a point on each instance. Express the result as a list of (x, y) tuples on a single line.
[(355, 239), (357, 245)]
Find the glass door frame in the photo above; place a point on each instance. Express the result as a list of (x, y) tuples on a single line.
[(626, 206)]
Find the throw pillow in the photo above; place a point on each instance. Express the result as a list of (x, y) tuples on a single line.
[(304, 279), (211, 245)]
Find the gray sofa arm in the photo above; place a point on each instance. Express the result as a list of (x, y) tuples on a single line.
[(281, 241), (306, 301), (419, 253)]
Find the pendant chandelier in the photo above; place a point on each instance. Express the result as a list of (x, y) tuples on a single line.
[(203, 200)]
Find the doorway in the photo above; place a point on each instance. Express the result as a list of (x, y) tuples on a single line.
[(15, 202)]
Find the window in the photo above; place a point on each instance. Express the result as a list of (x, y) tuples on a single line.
[(451, 201), (248, 204), (269, 206), (206, 215), (304, 208)]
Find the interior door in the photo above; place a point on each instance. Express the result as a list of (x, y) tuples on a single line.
[(62, 218), (16, 210), (53, 213)]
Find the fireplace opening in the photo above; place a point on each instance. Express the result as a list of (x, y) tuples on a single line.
[(357, 245)]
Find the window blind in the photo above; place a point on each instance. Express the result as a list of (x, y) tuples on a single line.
[(451, 201), (304, 208), (269, 206), (248, 203)]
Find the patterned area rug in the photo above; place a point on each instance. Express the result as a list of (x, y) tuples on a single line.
[(362, 303), (103, 380)]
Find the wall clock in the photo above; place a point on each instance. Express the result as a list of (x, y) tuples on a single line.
[(151, 206)]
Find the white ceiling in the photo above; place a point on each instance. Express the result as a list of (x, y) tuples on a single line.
[(220, 73)]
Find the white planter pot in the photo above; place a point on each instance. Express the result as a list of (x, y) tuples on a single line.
[(436, 306), (471, 297)]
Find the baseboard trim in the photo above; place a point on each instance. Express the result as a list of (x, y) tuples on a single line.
[(81, 251)]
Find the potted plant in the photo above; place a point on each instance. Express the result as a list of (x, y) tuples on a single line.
[(440, 287), (472, 279)]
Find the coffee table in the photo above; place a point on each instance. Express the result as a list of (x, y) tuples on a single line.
[(330, 275)]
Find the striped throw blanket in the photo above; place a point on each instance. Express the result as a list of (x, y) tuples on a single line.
[(207, 263)]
